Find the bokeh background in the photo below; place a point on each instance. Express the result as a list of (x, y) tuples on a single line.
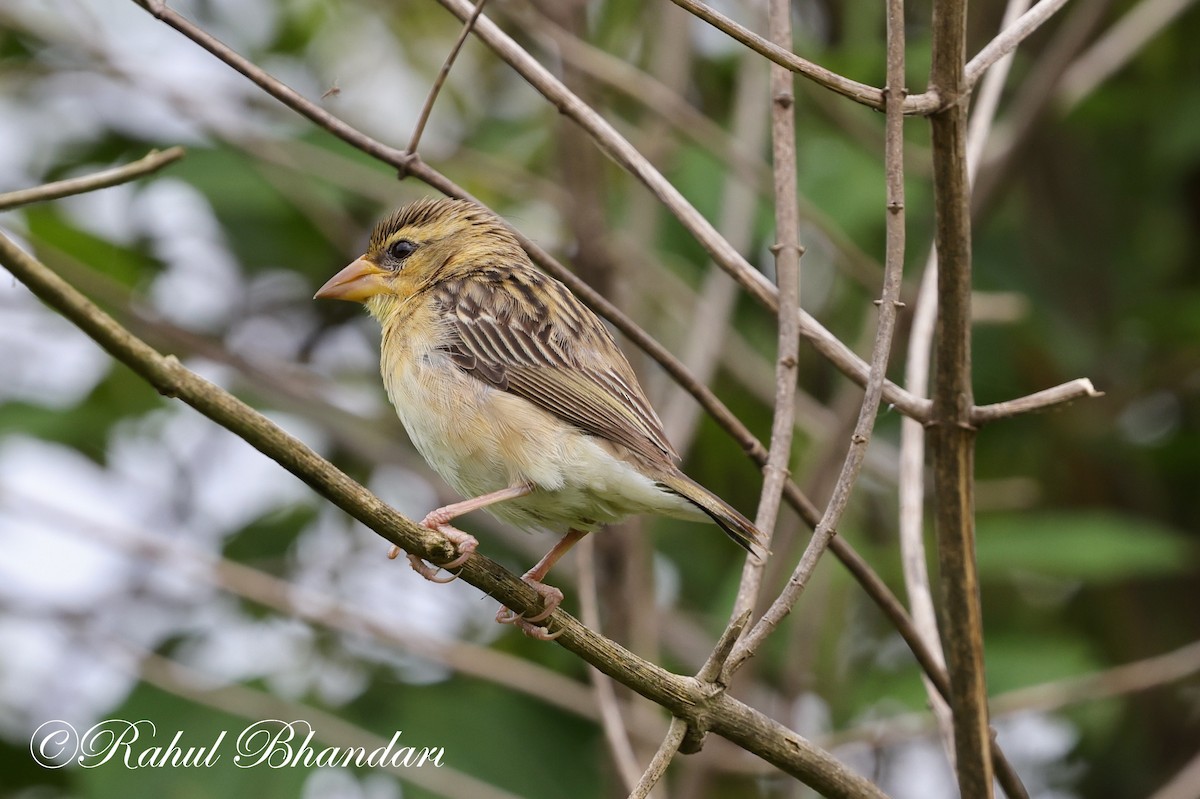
[(154, 566)]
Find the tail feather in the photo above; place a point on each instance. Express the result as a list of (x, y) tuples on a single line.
[(735, 525)]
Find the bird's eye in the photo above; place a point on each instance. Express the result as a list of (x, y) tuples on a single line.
[(401, 249)]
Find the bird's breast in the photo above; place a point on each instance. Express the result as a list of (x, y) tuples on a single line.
[(480, 440)]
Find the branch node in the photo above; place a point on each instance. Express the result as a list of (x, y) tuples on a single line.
[(784, 100), (693, 740), (170, 386), (406, 163), (778, 248)]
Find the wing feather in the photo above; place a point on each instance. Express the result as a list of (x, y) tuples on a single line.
[(526, 334)]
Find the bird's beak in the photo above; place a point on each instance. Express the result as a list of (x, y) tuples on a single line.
[(357, 282)]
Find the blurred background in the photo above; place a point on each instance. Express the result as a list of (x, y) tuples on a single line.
[(153, 566)]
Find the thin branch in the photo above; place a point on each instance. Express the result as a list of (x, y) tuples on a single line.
[(788, 251), (1008, 39), (678, 730), (681, 696), (616, 147), (644, 88), (615, 731), (1067, 392), (152, 162), (662, 758), (1140, 675), (859, 92), (823, 340), (1035, 94), (1184, 785), (1117, 47), (297, 601), (888, 304), (443, 73)]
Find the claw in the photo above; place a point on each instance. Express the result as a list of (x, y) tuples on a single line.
[(551, 599), (465, 544)]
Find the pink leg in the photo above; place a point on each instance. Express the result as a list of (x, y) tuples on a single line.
[(551, 596), (465, 544)]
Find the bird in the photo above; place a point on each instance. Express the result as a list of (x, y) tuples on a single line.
[(514, 391)]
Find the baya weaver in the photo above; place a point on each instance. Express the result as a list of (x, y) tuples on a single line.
[(513, 390)]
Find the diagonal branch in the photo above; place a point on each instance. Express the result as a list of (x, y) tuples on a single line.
[(616, 147), (889, 304), (682, 696), (788, 251), (443, 73), (1008, 39), (152, 162), (823, 340), (783, 56)]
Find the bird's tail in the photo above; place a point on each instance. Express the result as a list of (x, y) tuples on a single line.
[(735, 525)]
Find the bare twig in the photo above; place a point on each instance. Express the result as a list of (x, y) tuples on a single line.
[(784, 57), (1009, 38), (615, 731), (912, 481), (152, 162), (1116, 47), (1067, 392), (677, 732), (1140, 675), (888, 303), (443, 73), (788, 251), (660, 761), (290, 599), (709, 325), (682, 696), (411, 164), (664, 101), (616, 147), (1184, 785)]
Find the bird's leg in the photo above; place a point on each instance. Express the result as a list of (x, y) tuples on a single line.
[(551, 596), (465, 544)]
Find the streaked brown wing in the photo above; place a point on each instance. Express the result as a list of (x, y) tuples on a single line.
[(525, 333)]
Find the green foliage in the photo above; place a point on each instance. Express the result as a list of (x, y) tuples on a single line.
[(1093, 547)]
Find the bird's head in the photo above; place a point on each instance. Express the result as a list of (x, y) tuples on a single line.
[(418, 246)]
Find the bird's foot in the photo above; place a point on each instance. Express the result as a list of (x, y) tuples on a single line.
[(551, 599), (464, 543)]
